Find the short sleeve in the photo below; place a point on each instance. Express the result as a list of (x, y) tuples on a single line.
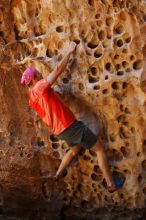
[(41, 86)]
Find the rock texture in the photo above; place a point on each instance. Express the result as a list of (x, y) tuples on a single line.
[(105, 82)]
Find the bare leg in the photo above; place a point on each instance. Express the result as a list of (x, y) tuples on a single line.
[(67, 159), (103, 163)]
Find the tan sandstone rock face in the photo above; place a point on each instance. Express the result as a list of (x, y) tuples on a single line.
[(104, 85)]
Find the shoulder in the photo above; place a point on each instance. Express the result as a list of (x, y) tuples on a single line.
[(41, 82), (41, 86)]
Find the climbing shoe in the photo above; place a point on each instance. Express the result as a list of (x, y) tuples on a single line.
[(117, 184)]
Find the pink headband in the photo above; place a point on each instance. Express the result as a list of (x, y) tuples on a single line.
[(28, 75)]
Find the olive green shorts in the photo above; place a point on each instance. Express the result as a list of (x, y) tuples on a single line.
[(78, 134)]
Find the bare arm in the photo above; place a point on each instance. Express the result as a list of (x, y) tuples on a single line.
[(51, 78)]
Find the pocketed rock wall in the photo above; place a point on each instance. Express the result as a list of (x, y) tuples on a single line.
[(104, 85)]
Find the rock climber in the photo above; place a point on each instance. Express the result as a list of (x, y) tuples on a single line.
[(53, 111)]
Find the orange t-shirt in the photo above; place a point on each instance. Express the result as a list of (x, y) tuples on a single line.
[(50, 107)]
